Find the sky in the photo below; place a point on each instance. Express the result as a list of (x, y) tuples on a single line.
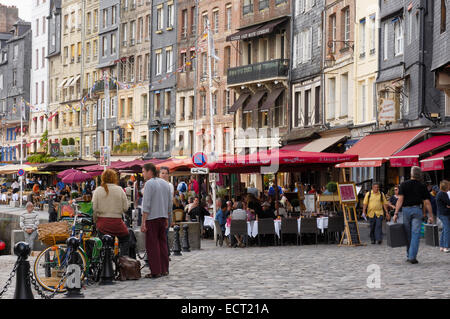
[(24, 6)]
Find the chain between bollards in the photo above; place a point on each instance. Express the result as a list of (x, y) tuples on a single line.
[(8, 282)]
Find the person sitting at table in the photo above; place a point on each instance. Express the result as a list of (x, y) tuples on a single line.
[(238, 214), (281, 210), (253, 207), (266, 212), (220, 214), (198, 211)]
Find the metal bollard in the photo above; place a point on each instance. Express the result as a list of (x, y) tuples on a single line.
[(107, 274), (176, 241), (186, 246), (73, 281), (23, 283)]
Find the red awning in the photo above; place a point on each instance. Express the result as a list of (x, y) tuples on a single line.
[(410, 156), (175, 164), (435, 162), (278, 160), (376, 163), (381, 146)]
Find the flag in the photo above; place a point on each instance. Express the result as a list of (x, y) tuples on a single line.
[(212, 50)]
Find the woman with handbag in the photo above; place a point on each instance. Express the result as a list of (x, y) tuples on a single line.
[(109, 205)]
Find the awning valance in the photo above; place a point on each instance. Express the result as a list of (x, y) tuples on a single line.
[(242, 98), (323, 143), (435, 162), (256, 31), (410, 156)]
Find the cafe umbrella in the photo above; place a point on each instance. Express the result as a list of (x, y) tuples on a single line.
[(76, 177)]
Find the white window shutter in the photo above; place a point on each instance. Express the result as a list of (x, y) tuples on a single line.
[(295, 50), (300, 48)]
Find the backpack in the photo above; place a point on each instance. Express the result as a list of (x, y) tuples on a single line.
[(381, 197)]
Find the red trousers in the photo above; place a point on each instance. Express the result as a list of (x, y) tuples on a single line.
[(156, 246)]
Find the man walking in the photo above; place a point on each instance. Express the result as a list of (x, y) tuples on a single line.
[(375, 204), (156, 205), (412, 194)]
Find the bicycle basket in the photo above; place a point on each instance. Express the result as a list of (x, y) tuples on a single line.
[(51, 233)]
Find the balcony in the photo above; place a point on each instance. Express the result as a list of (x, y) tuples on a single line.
[(258, 71), (100, 86)]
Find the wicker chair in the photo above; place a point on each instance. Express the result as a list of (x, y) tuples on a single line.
[(266, 227), (308, 226), (219, 233), (239, 227), (178, 216), (335, 225), (289, 226)]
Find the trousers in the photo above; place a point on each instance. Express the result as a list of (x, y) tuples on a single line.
[(156, 246)]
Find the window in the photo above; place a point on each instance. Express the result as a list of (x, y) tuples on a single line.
[(36, 97), (130, 107), (113, 43), (37, 59), (344, 94), (124, 34), (362, 38), (398, 36), (443, 16), (166, 140), (203, 105), (155, 141), (113, 15), (363, 87), (43, 25), (331, 98), (263, 4), (139, 68), (307, 108), (346, 35), (228, 19), (247, 7), (170, 15), (193, 14), (133, 32), (94, 48), (227, 104), (104, 15), (205, 21), (148, 27), (42, 91), (303, 45), (146, 66), (37, 28), (159, 19), (14, 77), (227, 59), (1, 81), (112, 107), (333, 32), (214, 103), (157, 104), (140, 29), (204, 64), (94, 114), (16, 52), (104, 45), (373, 35), (184, 23), (167, 100), (169, 60), (144, 103), (216, 21), (158, 69), (410, 26)]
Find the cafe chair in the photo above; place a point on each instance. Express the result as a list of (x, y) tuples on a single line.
[(219, 238), (289, 226), (178, 216), (308, 226), (335, 226), (239, 227), (266, 226)]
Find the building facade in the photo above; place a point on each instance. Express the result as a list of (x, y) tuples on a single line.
[(15, 76), (8, 16), (261, 79), (162, 91), (39, 73)]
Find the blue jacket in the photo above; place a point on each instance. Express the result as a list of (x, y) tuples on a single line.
[(221, 218)]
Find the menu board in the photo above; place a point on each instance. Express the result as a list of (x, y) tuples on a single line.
[(347, 193)]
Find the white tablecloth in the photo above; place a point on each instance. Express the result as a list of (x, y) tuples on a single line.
[(252, 227), (209, 221)]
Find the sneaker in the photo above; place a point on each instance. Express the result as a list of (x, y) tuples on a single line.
[(412, 261), (441, 249), (446, 250)]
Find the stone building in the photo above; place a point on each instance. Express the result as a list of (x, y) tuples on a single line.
[(163, 66), (15, 65), (39, 73), (133, 71), (8, 16)]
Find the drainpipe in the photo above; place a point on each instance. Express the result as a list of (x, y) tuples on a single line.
[(324, 45), (291, 54), (423, 10)]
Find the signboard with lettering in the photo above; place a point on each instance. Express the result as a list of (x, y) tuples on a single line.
[(54, 149), (104, 156), (347, 193), (386, 111)]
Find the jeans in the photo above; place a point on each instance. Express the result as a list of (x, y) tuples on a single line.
[(29, 238), (412, 221), (376, 233), (445, 236)]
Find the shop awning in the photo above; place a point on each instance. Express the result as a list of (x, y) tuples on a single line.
[(271, 98), (361, 164), (323, 143), (254, 101), (62, 83), (410, 156), (294, 147), (435, 162), (381, 146), (68, 82), (242, 98), (256, 31)]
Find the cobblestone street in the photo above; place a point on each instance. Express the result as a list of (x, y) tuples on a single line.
[(282, 272)]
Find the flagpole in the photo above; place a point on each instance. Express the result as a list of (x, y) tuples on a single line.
[(21, 150), (212, 157)]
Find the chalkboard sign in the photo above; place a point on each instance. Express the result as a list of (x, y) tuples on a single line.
[(354, 234)]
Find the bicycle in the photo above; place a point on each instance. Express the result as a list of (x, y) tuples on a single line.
[(51, 264)]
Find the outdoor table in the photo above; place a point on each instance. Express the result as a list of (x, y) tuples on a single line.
[(322, 223), (209, 221), (249, 228)]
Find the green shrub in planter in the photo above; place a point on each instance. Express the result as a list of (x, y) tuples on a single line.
[(143, 146), (64, 142), (116, 149), (71, 141), (332, 187)]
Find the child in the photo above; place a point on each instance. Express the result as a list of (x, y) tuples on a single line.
[(29, 221)]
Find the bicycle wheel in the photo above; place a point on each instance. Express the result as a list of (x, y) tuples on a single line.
[(51, 264)]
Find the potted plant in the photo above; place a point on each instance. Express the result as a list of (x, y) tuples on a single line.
[(71, 141), (332, 187)]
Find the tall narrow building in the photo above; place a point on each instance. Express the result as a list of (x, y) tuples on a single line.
[(39, 74), (163, 66)]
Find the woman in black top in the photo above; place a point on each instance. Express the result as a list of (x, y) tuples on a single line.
[(443, 211)]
